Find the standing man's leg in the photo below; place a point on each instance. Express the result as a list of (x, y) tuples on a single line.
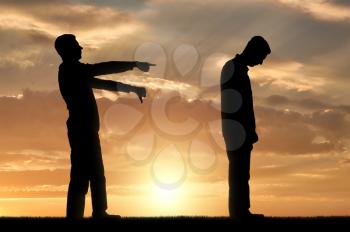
[(239, 175), (97, 178), (79, 176), (77, 190)]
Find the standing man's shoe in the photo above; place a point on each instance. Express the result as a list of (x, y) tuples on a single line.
[(105, 215), (255, 216), (248, 216)]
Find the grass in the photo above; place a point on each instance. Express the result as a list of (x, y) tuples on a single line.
[(165, 223)]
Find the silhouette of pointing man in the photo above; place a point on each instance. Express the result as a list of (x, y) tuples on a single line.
[(238, 123), (76, 81)]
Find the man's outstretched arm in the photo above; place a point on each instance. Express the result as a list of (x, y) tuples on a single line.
[(117, 86), (110, 67)]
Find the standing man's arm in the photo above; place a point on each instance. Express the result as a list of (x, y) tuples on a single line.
[(111, 67), (236, 99), (117, 86), (231, 93), (116, 67)]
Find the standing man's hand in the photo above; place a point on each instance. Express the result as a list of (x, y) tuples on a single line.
[(140, 91), (144, 66)]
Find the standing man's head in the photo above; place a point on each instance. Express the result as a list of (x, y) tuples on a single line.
[(256, 51), (68, 47)]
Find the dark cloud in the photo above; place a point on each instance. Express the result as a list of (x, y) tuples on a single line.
[(34, 122), (334, 122), (290, 132), (37, 122), (302, 40), (345, 161), (277, 100), (124, 4), (309, 104), (20, 40), (290, 32), (28, 61), (341, 2), (29, 2)]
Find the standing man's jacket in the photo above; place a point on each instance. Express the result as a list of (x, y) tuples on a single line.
[(237, 102), (76, 81)]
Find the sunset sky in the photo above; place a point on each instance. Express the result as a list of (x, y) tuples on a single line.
[(166, 156)]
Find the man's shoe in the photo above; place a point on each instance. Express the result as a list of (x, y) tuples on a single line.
[(105, 215), (255, 216), (247, 216)]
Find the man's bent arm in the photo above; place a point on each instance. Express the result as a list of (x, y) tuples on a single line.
[(111, 85)]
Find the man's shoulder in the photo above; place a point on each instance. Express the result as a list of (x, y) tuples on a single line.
[(71, 64), (229, 63), (228, 66), (234, 64), (232, 68), (71, 67)]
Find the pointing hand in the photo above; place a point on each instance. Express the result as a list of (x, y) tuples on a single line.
[(141, 92), (144, 66)]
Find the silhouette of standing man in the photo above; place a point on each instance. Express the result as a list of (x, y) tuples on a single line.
[(76, 81), (238, 123)]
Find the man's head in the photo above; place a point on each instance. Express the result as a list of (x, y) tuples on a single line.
[(68, 47), (256, 51)]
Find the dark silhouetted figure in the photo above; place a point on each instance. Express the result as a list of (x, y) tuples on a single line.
[(238, 123), (76, 81)]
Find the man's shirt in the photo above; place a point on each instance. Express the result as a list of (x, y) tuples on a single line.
[(237, 100), (76, 81)]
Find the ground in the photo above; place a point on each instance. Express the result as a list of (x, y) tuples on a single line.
[(171, 223)]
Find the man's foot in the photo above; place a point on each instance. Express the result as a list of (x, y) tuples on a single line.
[(105, 215), (247, 216)]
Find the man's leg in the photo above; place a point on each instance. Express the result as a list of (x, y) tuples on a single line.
[(79, 176), (78, 185), (239, 174), (76, 197), (97, 179)]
